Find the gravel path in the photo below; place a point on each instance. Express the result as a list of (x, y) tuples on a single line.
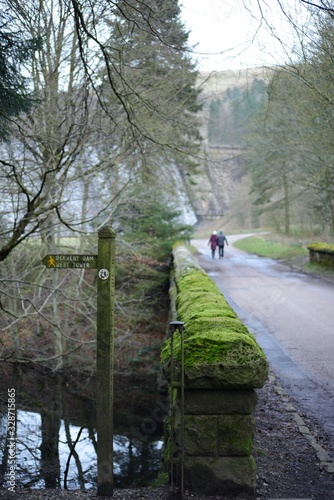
[(290, 452)]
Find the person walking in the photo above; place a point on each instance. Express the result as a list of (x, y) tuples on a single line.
[(213, 242), (221, 242)]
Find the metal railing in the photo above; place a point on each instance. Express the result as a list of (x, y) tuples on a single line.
[(176, 456)]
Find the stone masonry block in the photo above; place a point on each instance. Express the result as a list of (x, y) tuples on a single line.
[(235, 434), (212, 476), (213, 402), (200, 435)]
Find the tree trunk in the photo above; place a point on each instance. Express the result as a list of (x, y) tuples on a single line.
[(286, 204)]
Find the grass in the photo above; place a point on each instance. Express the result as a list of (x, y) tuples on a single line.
[(292, 250), (267, 246)]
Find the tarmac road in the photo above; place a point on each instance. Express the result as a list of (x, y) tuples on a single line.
[(292, 317)]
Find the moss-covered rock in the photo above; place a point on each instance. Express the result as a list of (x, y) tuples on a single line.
[(183, 261), (191, 305), (202, 324), (227, 349), (217, 360)]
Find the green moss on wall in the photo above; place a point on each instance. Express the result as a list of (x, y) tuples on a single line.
[(213, 333), (216, 347), (185, 261), (198, 279), (321, 247), (203, 325), (192, 312)]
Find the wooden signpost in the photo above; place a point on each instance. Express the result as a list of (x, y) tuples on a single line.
[(105, 360), (104, 262)]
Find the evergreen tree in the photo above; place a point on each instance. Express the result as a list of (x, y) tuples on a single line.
[(14, 92), (147, 226), (229, 115), (292, 143), (216, 123), (273, 130), (155, 82)]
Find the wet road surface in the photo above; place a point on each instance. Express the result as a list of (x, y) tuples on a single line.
[(292, 317)]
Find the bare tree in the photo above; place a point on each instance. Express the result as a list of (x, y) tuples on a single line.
[(83, 82), (104, 119)]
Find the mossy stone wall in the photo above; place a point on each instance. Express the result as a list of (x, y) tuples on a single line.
[(321, 253), (222, 365)]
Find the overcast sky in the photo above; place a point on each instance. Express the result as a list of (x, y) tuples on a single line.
[(230, 36)]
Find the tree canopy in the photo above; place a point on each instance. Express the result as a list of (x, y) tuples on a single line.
[(290, 138), (117, 99), (112, 132)]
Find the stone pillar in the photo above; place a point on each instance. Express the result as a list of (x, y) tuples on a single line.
[(219, 428), (219, 432)]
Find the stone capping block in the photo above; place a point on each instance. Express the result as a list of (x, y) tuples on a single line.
[(218, 375)]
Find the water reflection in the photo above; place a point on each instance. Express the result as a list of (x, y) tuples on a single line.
[(53, 410)]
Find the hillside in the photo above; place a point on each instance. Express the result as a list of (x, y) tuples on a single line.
[(212, 190), (216, 82)]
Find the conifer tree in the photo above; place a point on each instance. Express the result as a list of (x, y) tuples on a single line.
[(15, 96), (153, 96)]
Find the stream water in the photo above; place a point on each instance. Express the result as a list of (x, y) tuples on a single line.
[(50, 412)]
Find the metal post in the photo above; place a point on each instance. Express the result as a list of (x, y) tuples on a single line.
[(171, 492), (177, 325), (105, 360), (182, 411)]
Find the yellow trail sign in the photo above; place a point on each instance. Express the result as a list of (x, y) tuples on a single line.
[(68, 261)]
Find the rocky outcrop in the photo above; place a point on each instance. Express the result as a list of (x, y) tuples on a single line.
[(211, 190)]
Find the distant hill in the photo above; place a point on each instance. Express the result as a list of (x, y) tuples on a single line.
[(217, 82)]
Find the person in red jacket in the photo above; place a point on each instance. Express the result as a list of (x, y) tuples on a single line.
[(213, 242)]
